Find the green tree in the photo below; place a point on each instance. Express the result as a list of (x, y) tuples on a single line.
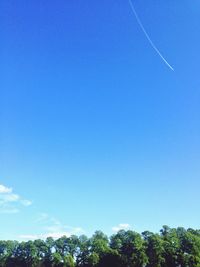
[(171, 245), (57, 260), (111, 258), (69, 261), (93, 259), (189, 248), (131, 247), (154, 249), (83, 251), (99, 243)]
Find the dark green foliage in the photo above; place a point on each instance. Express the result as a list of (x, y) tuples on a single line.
[(171, 248)]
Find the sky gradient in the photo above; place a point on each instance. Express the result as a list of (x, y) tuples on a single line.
[(95, 130)]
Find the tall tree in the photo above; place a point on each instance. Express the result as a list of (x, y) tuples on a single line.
[(154, 249)]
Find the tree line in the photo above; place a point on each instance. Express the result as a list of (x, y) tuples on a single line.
[(171, 247)]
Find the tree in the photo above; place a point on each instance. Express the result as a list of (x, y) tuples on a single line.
[(99, 243), (154, 249), (111, 258), (131, 247), (189, 248), (171, 245), (83, 251), (57, 260), (69, 261)]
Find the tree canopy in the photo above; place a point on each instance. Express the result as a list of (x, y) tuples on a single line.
[(172, 247)]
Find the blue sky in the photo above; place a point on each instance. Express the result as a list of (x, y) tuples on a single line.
[(96, 131)]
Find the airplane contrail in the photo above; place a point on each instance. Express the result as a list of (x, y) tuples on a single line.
[(147, 36)]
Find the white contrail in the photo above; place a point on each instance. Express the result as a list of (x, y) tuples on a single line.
[(147, 36)]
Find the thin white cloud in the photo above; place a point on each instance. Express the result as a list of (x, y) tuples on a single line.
[(9, 210), (55, 228), (44, 236), (41, 217), (121, 226), (10, 202), (26, 202), (51, 227), (54, 235), (4, 189), (29, 237), (10, 197)]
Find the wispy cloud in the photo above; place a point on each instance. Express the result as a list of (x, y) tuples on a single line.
[(4, 189), (41, 217), (26, 202), (9, 210), (51, 227), (54, 235), (10, 202), (121, 226)]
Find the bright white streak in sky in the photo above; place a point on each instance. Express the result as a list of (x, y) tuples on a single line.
[(147, 36)]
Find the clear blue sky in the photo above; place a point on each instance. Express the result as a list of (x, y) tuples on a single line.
[(95, 130)]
